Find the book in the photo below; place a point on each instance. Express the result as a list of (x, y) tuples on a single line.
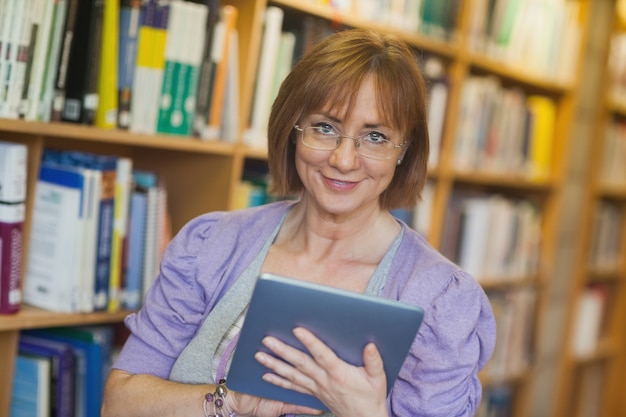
[(107, 165), (42, 14), (437, 104), (221, 52), (90, 94), (133, 288), (106, 110), (231, 129), (123, 184), (149, 67), (60, 74), (30, 392), (255, 134), (63, 363), (12, 35), (5, 36), (18, 60), (183, 54), (147, 183), (43, 109), (130, 19), (590, 310), (11, 256), (207, 68), (13, 171), (80, 94), (91, 354), (543, 119), (53, 274)]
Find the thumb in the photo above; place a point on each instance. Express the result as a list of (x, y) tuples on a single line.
[(372, 361)]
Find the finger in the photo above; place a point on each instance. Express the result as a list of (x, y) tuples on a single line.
[(284, 375), (320, 352)]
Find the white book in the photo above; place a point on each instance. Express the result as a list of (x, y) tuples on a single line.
[(256, 134), (422, 214), (53, 271), (9, 69), (6, 25), (43, 105), (475, 231), (17, 79), (13, 171), (43, 19), (588, 321), (438, 99), (91, 210)]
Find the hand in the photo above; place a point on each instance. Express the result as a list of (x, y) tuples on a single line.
[(249, 405), (347, 390)]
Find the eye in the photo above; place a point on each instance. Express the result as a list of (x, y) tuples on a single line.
[(325, 129), (374, 138)]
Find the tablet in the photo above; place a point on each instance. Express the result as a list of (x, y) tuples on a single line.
[(345, 320)]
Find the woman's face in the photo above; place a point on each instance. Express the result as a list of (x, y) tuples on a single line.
[(340, 181)]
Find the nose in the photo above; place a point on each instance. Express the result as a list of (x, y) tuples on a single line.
[(345, 156)]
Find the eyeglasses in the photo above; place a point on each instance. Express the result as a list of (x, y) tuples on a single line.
[(370, 145)]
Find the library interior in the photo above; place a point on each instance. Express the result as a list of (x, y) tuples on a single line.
[(122, 120)]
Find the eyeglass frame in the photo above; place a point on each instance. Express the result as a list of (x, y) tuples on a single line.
[(340, 137)]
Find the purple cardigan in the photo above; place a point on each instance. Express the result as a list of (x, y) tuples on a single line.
[(440, 374)]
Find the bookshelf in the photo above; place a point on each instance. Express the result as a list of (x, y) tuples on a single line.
[(592, 374), (203, 176)]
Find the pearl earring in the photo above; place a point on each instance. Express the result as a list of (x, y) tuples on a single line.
[(399, 161)]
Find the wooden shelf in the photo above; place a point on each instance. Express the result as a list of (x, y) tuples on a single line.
[(31, 318)]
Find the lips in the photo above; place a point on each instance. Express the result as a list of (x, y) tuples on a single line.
[(340, 185)]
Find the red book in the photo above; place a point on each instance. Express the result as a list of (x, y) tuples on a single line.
[(11, 255)]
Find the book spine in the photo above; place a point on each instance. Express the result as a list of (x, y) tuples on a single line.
[(13, 171), (203, 91), (256, 136), (105, 233), (75, 76), (45, 99), (60, 77), (229, 15), (130, 19), (106, 112), (11, 71), (63, 371), (183, 103), (173, 56), (90, 96), (11, 255), (120, 221)]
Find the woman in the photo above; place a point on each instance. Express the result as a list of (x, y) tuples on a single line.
[(348, 133)]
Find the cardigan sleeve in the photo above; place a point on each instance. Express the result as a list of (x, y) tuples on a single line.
[(174, 306), (455, 341)]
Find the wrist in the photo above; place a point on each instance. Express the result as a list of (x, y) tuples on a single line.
[(216, 402)]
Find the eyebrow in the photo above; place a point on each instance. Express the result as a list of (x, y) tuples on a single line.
[(337, 120)]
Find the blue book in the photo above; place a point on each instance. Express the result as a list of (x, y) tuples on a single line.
[(88, 357), (30, 394), (133, 291), (130, 19), (61, 356), (107, 165)]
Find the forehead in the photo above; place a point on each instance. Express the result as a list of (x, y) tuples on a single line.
[(365, 98)]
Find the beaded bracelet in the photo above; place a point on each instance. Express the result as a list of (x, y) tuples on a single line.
[(218, 399)]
